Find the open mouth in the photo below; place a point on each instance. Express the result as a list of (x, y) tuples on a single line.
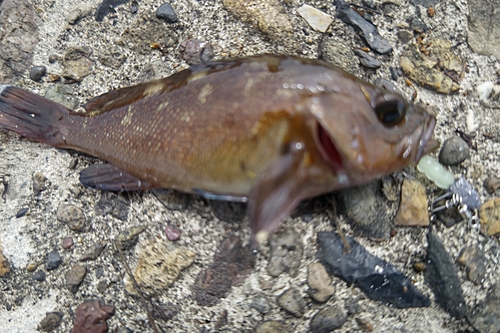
[(328, 149)]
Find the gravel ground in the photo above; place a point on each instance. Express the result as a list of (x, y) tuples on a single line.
[(27, 240)]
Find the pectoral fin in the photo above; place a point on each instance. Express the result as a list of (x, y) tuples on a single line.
[(110, 178), (277, 192)]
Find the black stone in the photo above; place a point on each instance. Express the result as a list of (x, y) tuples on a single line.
[(54, 260), (39, 276), (37, 73), (107, 7), (367, 30), (454, 151), (442, 277), (378, 279), (166, 13), (22, 212), (367, 60)]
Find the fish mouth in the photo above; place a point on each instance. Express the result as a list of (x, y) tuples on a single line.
[(329, 150), (419, 143)]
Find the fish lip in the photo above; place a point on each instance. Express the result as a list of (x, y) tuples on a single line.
[(426, 144)]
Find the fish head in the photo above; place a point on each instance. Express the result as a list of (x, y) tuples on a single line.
[(364, 131)]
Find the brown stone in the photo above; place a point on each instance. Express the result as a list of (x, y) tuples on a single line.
[(489, 214), (413, 208)]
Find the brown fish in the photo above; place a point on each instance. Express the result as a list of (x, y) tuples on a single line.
[(269, 129)]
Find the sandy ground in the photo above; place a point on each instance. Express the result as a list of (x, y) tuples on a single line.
[(26, 241)]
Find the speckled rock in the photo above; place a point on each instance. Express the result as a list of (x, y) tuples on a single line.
[(265, 15), (38, 182), (129, 237), (489, 215), (292, 302), (334, 51), (72, 216), (113, 57), (54, 260), (413, 207), (51, 321), (286, 253), (159, 264), (93, 251), (77, 63), (4, 265), (63, 94), (328, 319), (454, 151), (473, 258), (195, 51), (74, 277), (320, 282)]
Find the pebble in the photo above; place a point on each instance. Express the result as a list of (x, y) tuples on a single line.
[(91, 316), (367, 30), (454, 151), (173, 233), (128, 238), (116, 205), (328, 319), (405, 35), (261, 304), (195, 51), (113, 57), (54, 260), (51, 321), (489, 215), (286, 253), (492, 184), (37, 72), (413, 209), (364, 325), (489, 94), (318, 20), (39, 276), (292, 302), (367, 60), (166, 13), (320, 282), (38, 182), (93, 252), (336, 52), (67, 243), (63, 94), (352, 305), (272, 327), (102, 286), (107, 7), (72, 216), (441, 275), (486, 317), (159, 264), (76, 63), (74, 277), (22, 212), (483, 30), (473, 258)]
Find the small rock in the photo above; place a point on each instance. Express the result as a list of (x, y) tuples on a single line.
[(77, 63), (320, 282), (442, 277), (454, 151), (194, 51), (116, 205), (62, 94), (159, 264), (405, 35), (292, 302), (366, 60), (94, 251), (335, 51), (113, 57), (352, 306), (221, 321), (67, 243), (486, 316), (413, 207), (367, 30), (39, 276), (328, 319), (475, 261), (38, 182), (51, 321), (483, 28), (37, 72), (418, 25), (4, 265), (22, 212), (489, 94), (419, 266), (72, 216), (318, 20), (107, 7), (364, 325), (261, 304), (129, 237), (166, 13), (164, 311), (102, 286), (286, 253), (272, 327), (91, 316), (492, 184), (54, 260), (173, 233), (74, 277), (489, 215)]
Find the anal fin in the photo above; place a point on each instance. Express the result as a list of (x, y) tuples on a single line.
[(277, 191), (110, 178), (218, 196)]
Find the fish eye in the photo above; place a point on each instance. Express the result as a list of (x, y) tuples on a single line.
[(391, 112)]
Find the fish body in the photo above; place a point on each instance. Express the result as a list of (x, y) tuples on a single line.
[(271, 130)]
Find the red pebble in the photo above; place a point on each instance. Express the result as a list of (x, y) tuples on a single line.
[(67, 243), (173, 233)]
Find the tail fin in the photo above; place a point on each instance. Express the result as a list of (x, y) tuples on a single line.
[(31, 115)]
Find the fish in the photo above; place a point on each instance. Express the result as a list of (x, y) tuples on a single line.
[(269, 130)]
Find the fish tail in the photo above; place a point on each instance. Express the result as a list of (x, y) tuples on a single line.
[(31, 115)]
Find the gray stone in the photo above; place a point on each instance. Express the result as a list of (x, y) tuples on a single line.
[(72, 216), (62, 94), (54, 260), (261, 304), (286, 253), (166, 13), (39, 276), (367, 60), (74, 277), (338, 53), (405, 35), (320, 282), (483, 27), (328, 319), (454, 151), (37, 72), (292, 302), (51, 321)]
